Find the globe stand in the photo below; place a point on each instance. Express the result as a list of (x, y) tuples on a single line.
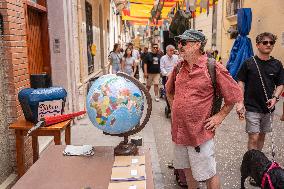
[(126, 148)]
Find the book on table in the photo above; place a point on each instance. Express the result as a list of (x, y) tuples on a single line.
[(130, 173), (128, 185), (125, 161)]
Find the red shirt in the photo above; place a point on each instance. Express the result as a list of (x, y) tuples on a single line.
[(193, 99)]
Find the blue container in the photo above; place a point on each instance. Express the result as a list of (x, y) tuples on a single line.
[(37, 103)]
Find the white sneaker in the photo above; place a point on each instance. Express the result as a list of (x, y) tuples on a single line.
[(157, 99)]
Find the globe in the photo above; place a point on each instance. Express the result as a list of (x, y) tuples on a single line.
[(114, 104)]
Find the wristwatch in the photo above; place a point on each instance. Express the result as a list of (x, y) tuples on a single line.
[(277, 98)]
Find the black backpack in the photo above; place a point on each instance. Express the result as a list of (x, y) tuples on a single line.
[(217, 99)]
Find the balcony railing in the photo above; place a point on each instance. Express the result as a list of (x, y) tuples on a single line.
[(232, 7)]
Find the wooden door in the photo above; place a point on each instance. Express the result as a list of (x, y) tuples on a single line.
[(38, 39)]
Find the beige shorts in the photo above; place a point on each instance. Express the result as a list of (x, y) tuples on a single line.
[(202, 164), (153, 79)]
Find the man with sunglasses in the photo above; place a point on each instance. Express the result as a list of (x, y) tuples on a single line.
[(256, 108), (190, 93), (259, 75), (152, 70)]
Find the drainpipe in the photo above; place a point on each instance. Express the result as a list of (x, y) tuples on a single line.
[(222, 27), (79, 15), (75, 53), (66, 10), (71, 60)]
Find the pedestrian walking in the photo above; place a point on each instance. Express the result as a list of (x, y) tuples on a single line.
[(261, 78), (167, 64), (135, 52), (190, 92), (152, 70), (257, 106), (128, 64), (136, 55), (115, 58), (143, 56)]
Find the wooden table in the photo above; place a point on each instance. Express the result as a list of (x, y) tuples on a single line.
[(22, 126), (53, 170)]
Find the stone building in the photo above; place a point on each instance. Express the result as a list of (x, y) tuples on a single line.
[(266, 17)]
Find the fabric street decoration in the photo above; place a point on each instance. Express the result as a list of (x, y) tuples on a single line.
[(139, 10), (242, 47)]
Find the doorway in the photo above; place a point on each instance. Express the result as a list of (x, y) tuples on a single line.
[(38, 39), (89, 33), (102, 38)]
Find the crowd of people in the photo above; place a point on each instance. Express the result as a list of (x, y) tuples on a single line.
[(155, 65)]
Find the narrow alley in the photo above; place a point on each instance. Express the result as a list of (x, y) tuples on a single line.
[(76, 77)]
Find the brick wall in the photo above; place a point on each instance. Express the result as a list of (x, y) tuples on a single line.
[(16, 67)]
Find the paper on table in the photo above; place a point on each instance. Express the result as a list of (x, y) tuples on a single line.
[(85, 150), (124, 161), (132, 187), (128, 185), (128, 173)]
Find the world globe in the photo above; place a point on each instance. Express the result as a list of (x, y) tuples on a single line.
[(114, 104)]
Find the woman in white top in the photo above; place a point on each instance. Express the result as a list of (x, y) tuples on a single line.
[(128, 63), (115, 58)]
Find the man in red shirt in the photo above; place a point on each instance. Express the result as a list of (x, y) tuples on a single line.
[(190, 93)]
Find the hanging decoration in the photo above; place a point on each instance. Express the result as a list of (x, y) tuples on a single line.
[(156, 12), (180, 21), (242, 47), (142, 11)]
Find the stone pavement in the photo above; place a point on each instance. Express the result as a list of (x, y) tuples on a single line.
[(230, 145)]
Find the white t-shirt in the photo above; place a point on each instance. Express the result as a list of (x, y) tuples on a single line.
[(167, 64), (128, 64), (135, 54)]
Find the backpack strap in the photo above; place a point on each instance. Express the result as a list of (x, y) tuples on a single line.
[(217, 97), (211, 64)]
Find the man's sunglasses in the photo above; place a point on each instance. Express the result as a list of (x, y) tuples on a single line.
[(155, 47), (184, 42), (266, 42)]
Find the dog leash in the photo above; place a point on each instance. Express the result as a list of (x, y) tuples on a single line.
[(270, 113)]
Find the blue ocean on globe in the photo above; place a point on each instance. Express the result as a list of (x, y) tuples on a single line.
[(114, 104)]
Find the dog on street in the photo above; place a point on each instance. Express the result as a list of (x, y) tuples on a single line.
[(266, 174)]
